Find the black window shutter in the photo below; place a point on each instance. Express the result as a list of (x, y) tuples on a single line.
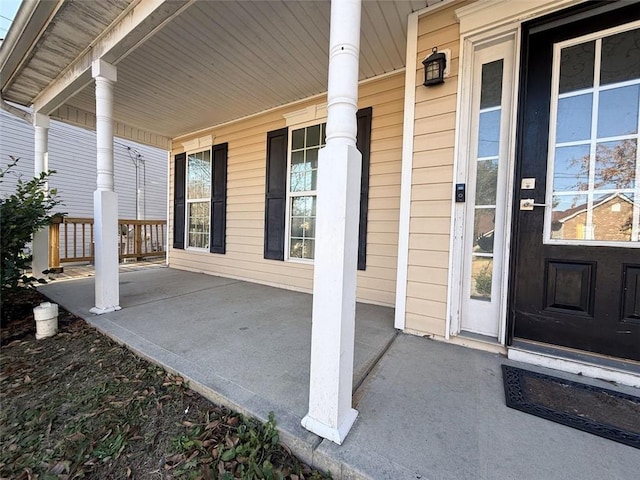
[(363, 142), (218, 199), (275, 194), (179, 187)]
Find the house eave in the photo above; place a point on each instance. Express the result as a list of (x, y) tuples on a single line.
[(29, 24)]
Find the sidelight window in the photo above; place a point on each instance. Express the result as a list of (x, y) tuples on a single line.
[(487, 163)]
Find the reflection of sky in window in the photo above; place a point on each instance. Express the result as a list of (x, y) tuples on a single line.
[(618, 111), (574, 118), (304, 166), (303, 206), (199, 175), (303, 181), (489, 134), (565, 202), (570, 171)]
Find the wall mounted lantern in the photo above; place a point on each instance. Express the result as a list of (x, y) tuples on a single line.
[(434, 66)]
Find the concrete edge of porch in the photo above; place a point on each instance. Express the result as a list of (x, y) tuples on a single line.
[(308, 447), (220, 390)]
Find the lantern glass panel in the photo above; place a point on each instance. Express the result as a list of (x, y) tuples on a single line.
[(433, 70)]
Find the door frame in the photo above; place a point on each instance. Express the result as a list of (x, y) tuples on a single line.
[(565, 16), (462, 225), (481, 23)]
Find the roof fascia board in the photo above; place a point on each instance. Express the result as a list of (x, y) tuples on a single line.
[(27, 27), (116, 42)]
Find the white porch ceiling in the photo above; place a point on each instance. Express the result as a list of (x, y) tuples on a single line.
[(221, 60)]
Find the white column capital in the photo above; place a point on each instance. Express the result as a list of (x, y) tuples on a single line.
[(41, 120), (102, 69), (342, 89)]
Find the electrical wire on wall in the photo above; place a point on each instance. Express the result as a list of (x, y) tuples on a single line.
[(141, 193)]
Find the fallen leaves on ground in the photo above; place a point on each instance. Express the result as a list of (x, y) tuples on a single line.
[(78, 405)]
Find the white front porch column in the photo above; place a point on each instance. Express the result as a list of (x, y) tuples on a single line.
[(40, 244), (336, 253), (105, 199)]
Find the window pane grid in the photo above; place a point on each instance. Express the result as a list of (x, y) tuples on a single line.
[(486, 184), (199, 175), (199, 224), (595, 162), (198, 199), (303, 167)]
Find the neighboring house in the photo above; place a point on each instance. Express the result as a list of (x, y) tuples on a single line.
[(460, 179), (72, 153), (611, 220)]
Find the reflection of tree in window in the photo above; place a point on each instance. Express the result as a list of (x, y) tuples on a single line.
[(305, 145), (198, 197), (486, 182), (615, 166)]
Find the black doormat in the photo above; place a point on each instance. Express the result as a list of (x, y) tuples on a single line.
[(607, 413)]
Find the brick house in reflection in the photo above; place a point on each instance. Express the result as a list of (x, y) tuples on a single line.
[(612, 220)]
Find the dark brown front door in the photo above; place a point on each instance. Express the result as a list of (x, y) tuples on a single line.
[(576, 264)]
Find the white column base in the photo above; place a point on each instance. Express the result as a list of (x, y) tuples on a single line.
[(335, 434), (107, 289), (100, 311), (40, 252)]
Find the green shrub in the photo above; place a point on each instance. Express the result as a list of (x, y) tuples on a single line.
[(21, 215)]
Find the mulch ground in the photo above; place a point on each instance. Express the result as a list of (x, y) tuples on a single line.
[(78, 405)]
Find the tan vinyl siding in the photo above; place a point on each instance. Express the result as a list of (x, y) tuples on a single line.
[(432, 179), (245, 198)]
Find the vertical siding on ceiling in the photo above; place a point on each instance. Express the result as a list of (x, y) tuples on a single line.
[(245, 200), (431, 192), (72, 153)]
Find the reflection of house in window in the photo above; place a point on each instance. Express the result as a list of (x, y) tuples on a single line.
[(612, 220)]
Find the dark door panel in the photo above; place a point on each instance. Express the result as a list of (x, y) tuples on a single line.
[(581, 287)]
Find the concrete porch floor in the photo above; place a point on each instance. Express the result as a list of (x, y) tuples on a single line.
[(428, 410)]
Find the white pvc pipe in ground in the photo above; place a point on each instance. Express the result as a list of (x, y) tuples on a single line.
[(46, 316)]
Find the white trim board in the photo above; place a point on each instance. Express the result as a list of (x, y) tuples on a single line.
[(575, 367), (406, 175)]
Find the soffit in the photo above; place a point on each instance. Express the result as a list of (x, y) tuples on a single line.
[(221, 60), (75, 26)]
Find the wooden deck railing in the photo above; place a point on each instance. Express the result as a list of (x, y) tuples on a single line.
[(71, 240)]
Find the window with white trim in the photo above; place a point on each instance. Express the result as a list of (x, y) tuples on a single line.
[(198, 199), (594, 162), (304, 146)]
